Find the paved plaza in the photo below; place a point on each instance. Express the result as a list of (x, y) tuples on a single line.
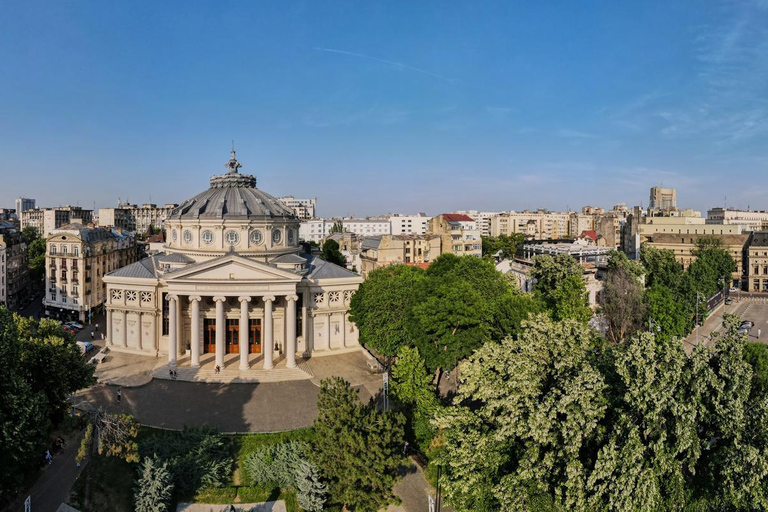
[(754, 308), (232, 407)]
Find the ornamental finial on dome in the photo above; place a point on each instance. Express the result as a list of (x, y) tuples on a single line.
[(233, 165)]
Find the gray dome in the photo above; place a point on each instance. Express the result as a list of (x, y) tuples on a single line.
[(232, 196)]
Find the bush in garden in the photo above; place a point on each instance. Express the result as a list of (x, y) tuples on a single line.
[(154, 488)]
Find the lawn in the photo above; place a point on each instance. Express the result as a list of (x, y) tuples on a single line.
[(112, 480)]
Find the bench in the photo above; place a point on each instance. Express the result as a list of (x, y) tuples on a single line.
[(99, 358)]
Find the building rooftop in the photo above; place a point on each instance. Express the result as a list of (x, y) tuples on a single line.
[(457, 217)]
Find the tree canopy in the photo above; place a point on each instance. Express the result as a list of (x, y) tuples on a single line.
[(331, 253), (505, 244), (560, 284)]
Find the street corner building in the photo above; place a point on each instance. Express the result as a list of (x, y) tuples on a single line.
[(232, 278)]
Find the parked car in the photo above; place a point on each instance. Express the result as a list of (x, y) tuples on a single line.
[(74, 325), (85, 346), (747, 324), (743, 330), (728, 301)]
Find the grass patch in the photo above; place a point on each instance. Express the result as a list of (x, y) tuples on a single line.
[(248, 494), (246, 444), (110, 488), (216, 495)]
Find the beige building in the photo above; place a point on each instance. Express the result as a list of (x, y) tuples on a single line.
[(77, 259), (745, 219), (683, 245), (376, 252), (232, 279), (304, 209), (756, 266), (46, 220), (458, 234), (663, 199), (580, 222), (134, 218), (539, 225)]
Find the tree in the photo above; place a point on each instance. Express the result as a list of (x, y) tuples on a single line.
[(312, 492), (36, 259), (665, 315), (381, 307), (331, 253), (527, 412), (23, 413), (154, 489), (117, 436), (756, 354), (618, 260), (661, 267), (29, 234), (356, 447), (560, 284), (622, 303), (505, 244), (337, 227), (412, 388)]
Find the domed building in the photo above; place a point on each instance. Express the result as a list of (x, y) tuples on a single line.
[(232, 279)]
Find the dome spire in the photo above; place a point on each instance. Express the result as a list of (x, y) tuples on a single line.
[(233, 165)]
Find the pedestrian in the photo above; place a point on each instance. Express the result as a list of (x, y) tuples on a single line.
[(217, 369), (97, 327), (48, 456), (102, 336), (119, 395), (405, 448), (170, 372), (91, 335), (758, 333)]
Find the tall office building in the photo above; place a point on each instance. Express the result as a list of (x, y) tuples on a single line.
[(23, 204), (663, 198)]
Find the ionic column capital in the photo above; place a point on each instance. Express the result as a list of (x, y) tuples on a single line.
[(244, 298), (292, 297), (195, 298), (269, 298), (171, 296), (219, 298)]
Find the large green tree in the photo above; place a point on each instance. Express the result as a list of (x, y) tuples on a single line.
[(623, 305), (560, 284), (528, 410), (356, 447), (381, 307), (154, 489), (505, 245), (661, 266)]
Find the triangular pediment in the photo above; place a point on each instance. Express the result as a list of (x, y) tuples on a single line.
[(231, 268)]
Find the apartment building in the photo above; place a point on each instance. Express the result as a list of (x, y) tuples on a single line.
[(408, 224), (77, 258), (136, 219), (459, 234), (381, 251), (315, 230), (14, 274), (539, 225), (23, 204), (483, 219), (304, 209), (45, 220), (747, 220), (663, 199), (756, 266)]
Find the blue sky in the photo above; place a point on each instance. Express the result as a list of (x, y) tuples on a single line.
[(377, 107)]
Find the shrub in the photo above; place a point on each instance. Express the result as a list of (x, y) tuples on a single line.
[(154, 488), (85, 444)]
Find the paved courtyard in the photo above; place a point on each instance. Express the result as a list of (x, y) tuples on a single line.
[(230, 407), (754, 308)]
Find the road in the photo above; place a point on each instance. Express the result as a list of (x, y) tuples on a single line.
[(748, 307)]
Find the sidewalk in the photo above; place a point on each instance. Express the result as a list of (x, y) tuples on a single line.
[(55, 481)]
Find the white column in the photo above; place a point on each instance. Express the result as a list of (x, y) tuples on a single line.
[(194, 343), (269, 342), (327, 341), (172, 331), (290, 330), (110, 326), (244, 332), (221, 327), (124, 332)]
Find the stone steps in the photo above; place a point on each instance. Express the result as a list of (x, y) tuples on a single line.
[(228, 376)]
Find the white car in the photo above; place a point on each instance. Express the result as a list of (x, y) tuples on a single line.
[(75, 325)]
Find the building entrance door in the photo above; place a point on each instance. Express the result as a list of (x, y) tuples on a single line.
[(233, 337), (209, 336), (254, 336)]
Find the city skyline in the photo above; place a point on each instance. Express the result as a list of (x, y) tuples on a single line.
[(440, 109)]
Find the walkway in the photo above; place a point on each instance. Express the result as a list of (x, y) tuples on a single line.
[(53, 486), (269, 506), (231, 373)]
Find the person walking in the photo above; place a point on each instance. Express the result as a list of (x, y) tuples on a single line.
[(48, 456), (119, 395), (758, 333), (91, 335)]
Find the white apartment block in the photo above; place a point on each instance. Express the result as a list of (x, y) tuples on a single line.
[(304, 209), (580, 222), (745, 219), (408, 224), (483, 219), (314, 230)]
